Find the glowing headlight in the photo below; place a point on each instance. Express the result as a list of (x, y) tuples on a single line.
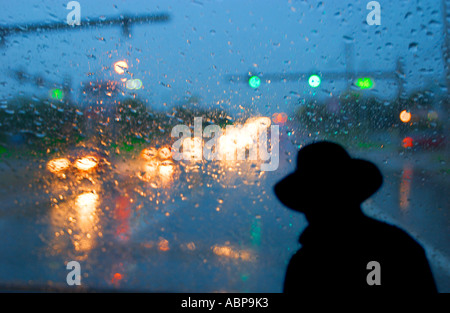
[(149, 153), (86, 163), (58, 165), (166, 169), (164, 153)]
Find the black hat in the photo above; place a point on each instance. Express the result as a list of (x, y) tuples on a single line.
[(326, 173)]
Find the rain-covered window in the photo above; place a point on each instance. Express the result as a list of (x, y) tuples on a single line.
[(142, 139)]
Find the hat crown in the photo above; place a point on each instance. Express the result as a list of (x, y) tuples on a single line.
[(322, 158)]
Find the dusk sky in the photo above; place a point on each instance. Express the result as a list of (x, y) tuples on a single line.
[(207, 40)]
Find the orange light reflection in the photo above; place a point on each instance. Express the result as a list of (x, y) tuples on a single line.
[(405, 187), (405, 116), (120, 67), (86, 163), (58, 165)]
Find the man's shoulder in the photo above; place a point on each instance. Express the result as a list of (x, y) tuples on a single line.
[(382, 232)]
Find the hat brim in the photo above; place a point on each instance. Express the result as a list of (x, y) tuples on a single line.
[(286, 188)]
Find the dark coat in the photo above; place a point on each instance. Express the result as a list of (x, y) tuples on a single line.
[(335, 259)]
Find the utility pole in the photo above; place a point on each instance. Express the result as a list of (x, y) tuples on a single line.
[(446, 42), (400, 79), (349, 64), (125, 22)]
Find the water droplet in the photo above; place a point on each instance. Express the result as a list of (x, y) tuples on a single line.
[(348, 39), (413, 46)]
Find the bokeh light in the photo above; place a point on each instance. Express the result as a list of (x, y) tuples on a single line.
[(58, 165), (254, 81), (164, 152), (133, 84), (364, 83), (56, 94), (120, 67), (86, 163), (116, 278), (163, 245), (137, 83), (279, 118), (149, 153), (407, 142), (314, 81), (405, 116), (130, 84)]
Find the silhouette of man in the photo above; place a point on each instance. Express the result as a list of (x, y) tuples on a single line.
[(340, 243)]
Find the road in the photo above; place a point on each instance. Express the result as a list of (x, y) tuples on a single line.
[(210, 228)]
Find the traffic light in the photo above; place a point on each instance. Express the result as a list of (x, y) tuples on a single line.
[(254, 81), (314, 81), (364, 83), (56, 94), (134, 84)]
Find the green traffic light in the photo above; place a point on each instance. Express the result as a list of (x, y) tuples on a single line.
[(134, 84), (254, 81), (130, 84), (138, 83), (314, 81), (56, 94), (364, 83)]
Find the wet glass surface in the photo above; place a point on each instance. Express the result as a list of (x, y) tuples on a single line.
[(88, 135)]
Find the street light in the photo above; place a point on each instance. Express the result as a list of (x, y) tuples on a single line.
[(120, 67)]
